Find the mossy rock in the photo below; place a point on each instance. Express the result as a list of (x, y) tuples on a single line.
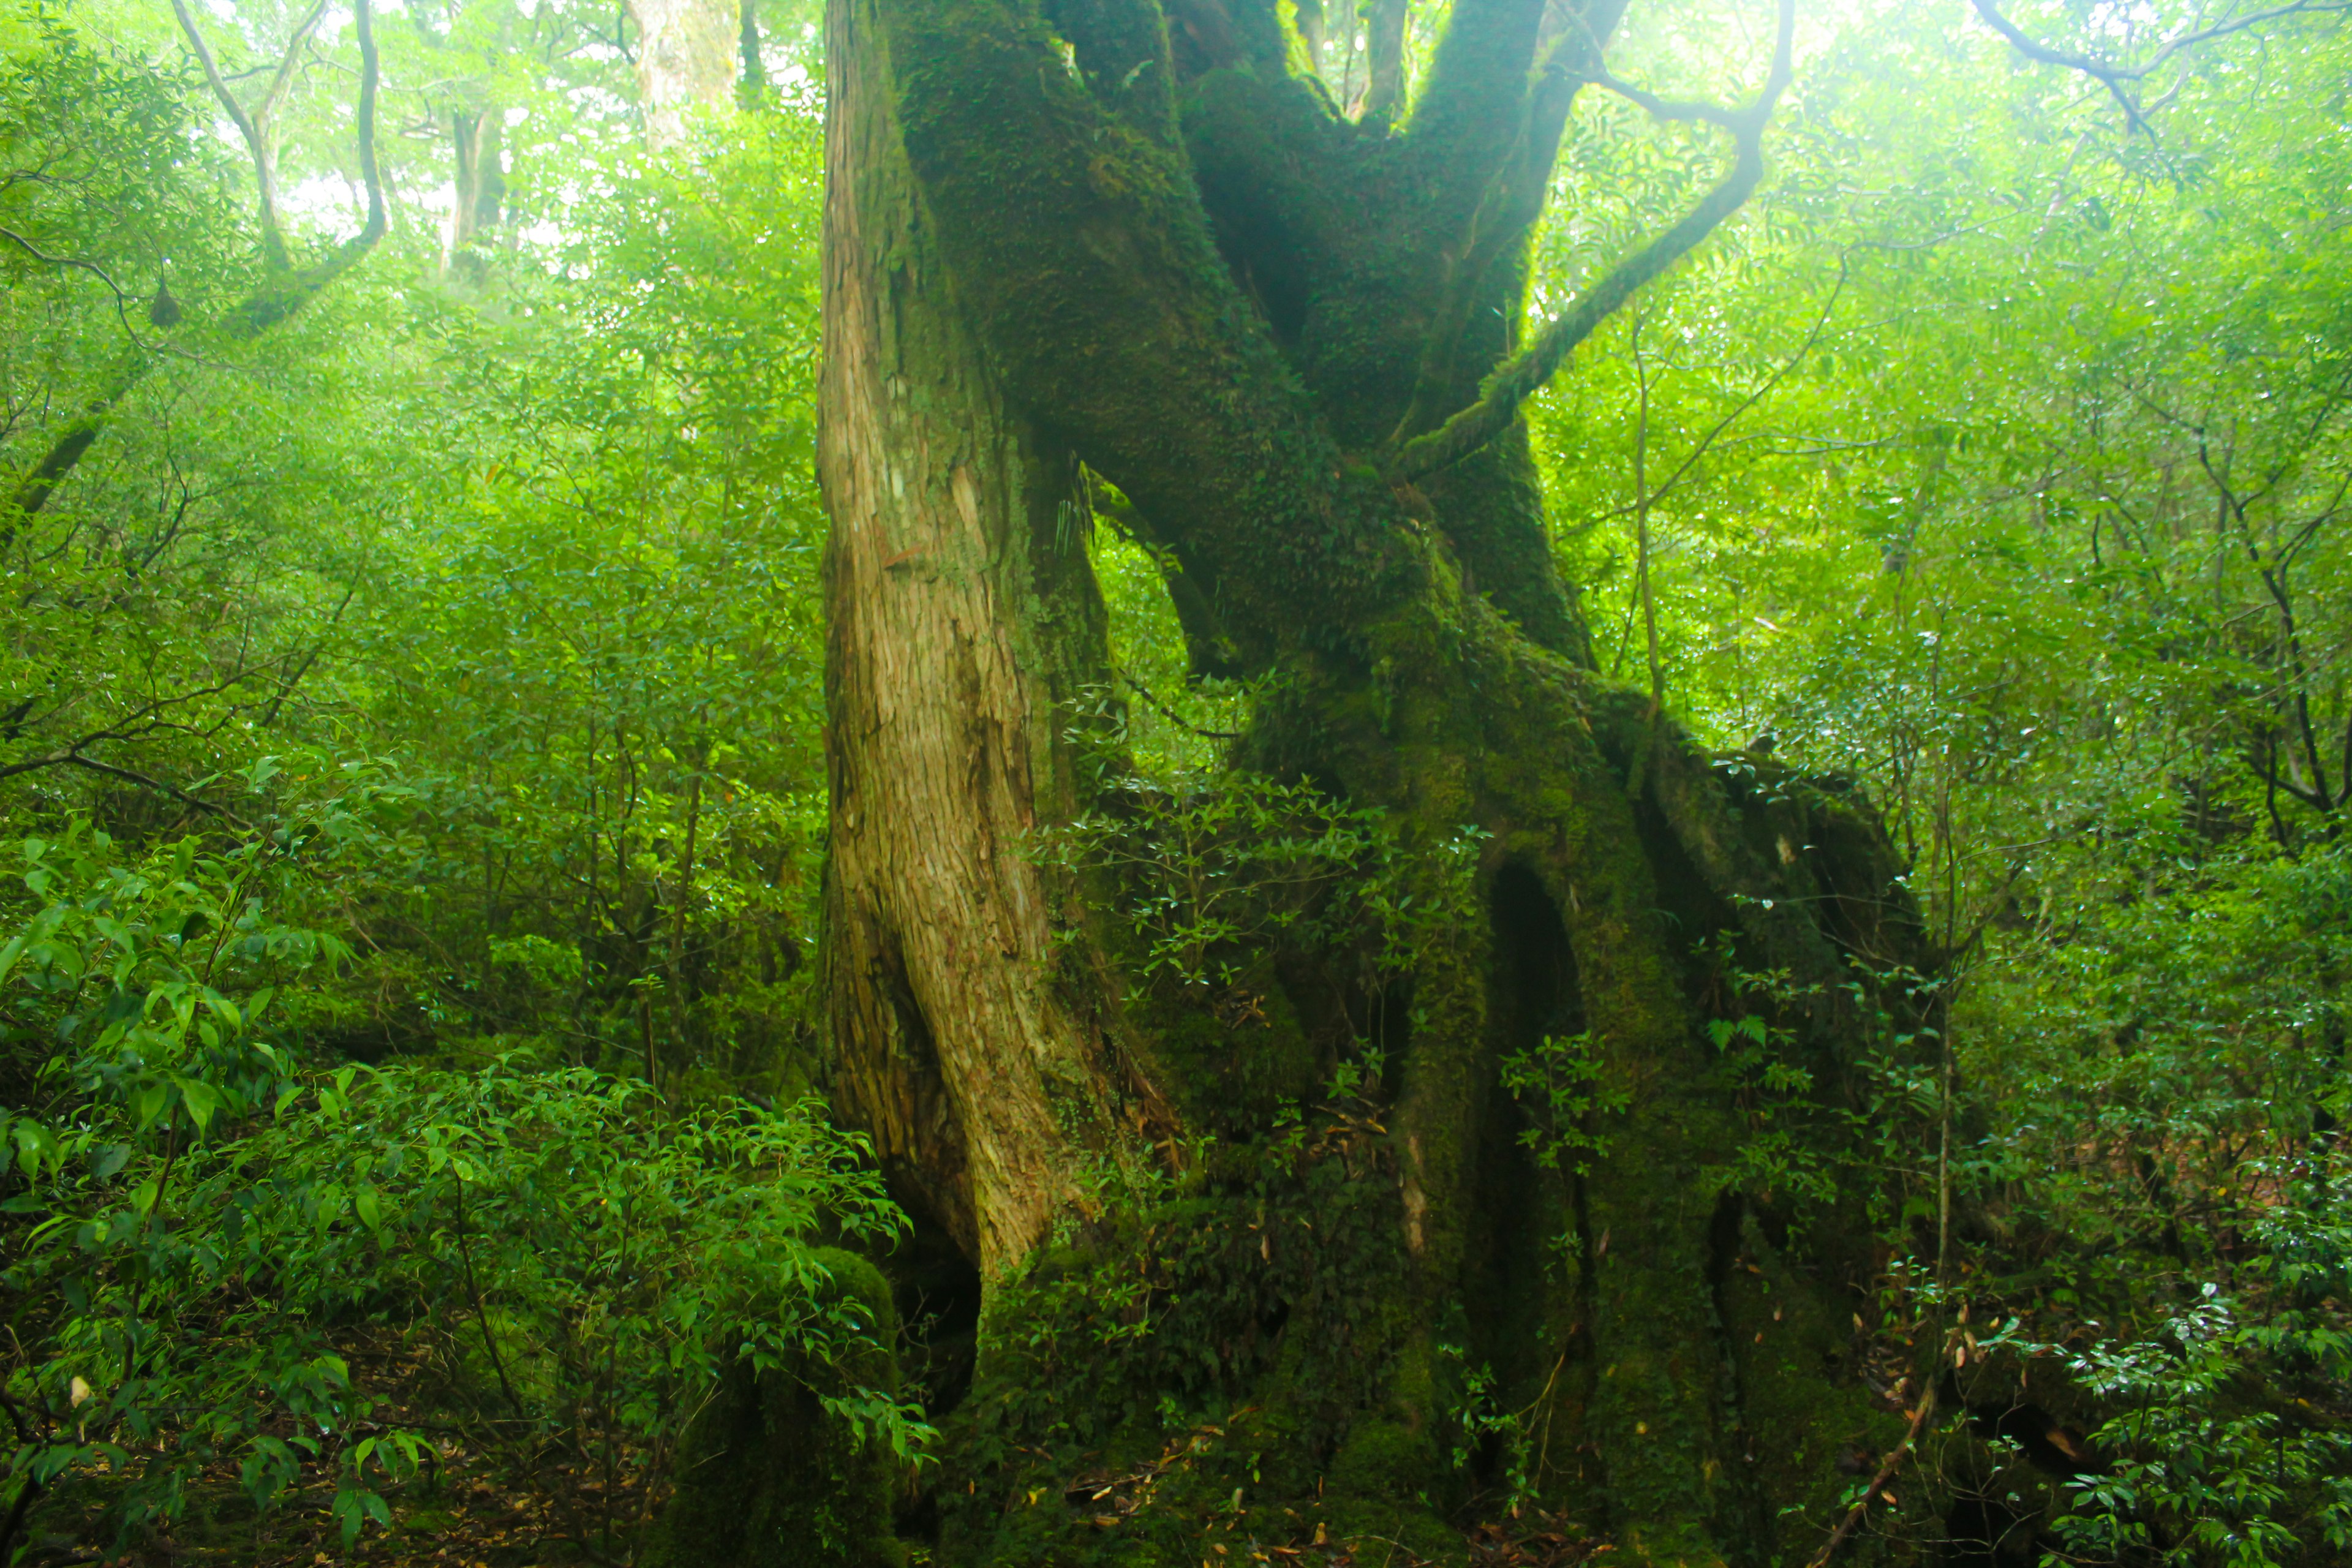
[(769, 1478)]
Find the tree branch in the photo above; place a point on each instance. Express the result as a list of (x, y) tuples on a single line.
[(71, 758), (1463, 121), (1513, 202), (2111, 75), (121, 300), (1888, 1467), (281, 294), (1084, 255), (1803, 352), (1121, 49), (280, 298), (1517, 380), (255, 127)]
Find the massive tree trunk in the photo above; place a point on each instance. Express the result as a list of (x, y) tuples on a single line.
[(1231, 1288), (962, 615)]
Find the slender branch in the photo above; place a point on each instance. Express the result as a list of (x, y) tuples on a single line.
[(1212, 651), (1165, 711), (1803, 352), (1887, 1470), (284, 78), (2113, 76), (71, 758), (132, 727), (203, 53), (481, 1312), (59, 461), (1517, 380), (2109, 72), (27, 1490), (92, 268)]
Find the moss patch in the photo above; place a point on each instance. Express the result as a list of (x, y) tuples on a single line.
[(767, 1478)]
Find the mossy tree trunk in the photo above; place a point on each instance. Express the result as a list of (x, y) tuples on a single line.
[(1112, 234)]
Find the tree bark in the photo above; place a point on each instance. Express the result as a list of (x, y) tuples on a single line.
[(962, 615), (1159, 251), (687, 54)]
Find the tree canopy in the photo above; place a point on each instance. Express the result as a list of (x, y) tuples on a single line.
[(1135, 781)]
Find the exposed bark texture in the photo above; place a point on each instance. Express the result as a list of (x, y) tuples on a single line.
[(961, 613), (1162, 252)]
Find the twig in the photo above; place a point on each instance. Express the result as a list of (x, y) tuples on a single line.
[(482, 1313), (1170, 714), (1887, 1470), (2113, 77)]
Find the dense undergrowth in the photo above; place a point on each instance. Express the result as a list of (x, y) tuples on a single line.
[(412, 737)]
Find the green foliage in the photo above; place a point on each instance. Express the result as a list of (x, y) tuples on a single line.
[(1562, 1083), (1123, 1352), (1209, 872), (198, 1222), (1212, 874), (2215, 1451), (786, 1465), (130, 1214), (1993, 461)]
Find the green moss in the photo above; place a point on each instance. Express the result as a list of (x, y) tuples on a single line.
[(769, 1478), (1231, 1060), (1235, 1358)]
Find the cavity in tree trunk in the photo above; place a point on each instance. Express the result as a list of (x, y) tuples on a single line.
[(1227, 1288)]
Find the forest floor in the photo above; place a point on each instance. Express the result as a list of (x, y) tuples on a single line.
[(472, 1505), (474, 1517), (470, 1512)]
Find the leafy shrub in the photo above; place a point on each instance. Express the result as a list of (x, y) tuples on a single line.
[(197, 1222), (2220, 1450)]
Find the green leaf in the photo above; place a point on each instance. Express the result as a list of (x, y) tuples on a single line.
[(201, 1099)]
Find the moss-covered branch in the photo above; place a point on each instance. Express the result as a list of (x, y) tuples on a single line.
[(1088, 260), (1515, 381), (1506, 214)]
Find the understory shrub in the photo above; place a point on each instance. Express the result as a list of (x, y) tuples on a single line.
[(200, 1221)]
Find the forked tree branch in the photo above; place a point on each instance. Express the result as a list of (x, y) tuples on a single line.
[(282, 291), (2111, 75), (1524, 374), (256, 127), (1513, 202)]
